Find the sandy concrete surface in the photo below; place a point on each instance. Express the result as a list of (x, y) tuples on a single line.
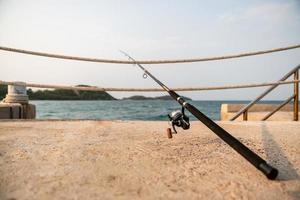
[(136, 160)]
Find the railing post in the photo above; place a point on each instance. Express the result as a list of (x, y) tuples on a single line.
[(245, 115), (296, 98), (264, 94)]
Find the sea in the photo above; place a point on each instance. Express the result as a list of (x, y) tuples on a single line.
[(146, 110)]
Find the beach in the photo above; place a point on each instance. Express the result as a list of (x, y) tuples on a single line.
[(93, 159)]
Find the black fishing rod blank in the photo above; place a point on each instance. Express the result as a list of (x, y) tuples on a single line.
[(269, 171)]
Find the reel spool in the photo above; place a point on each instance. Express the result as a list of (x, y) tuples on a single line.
[(179, 119)]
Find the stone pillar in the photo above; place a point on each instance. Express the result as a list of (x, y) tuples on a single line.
[(15, 105), (16, 94)]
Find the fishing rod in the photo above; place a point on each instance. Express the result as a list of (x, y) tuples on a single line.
[(258, 162)]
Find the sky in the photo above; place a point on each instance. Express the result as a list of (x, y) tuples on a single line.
[(149, 30)]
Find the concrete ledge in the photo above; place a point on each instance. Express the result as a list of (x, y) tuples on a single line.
[(17, 111), (10, 111), (257, 112)]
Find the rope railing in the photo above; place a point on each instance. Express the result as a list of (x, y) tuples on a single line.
[(114, 61), (93, 88)]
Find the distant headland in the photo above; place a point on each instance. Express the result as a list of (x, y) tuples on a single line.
[(59, 94)]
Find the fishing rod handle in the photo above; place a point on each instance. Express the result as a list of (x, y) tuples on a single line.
[(269, 171)]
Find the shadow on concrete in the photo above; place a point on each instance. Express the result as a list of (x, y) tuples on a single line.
[(276, 157)]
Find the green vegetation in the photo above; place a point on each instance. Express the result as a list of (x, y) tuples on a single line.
[(62, 94), (3, 91), (78, 95)]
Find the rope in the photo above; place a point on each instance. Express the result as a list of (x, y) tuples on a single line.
[(146, 89), (100, 60)]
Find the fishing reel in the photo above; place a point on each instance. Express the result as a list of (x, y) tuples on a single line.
[(178, 118)]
